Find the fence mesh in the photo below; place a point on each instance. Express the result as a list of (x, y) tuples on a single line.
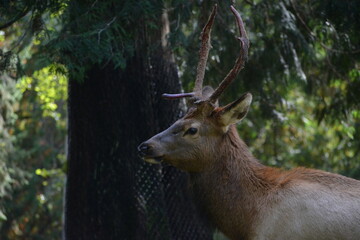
[(165, 204)]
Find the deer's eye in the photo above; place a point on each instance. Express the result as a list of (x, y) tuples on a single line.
[(191, 131)]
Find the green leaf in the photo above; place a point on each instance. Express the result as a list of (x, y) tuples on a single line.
[(2, 216)]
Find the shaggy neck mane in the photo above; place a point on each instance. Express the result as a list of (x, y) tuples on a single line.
[(227, 190), (238, 165)]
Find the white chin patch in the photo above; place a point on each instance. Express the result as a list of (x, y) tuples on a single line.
[(153, 160)]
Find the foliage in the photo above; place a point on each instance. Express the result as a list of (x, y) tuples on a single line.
[(10, 175), (37, 159), (50, 89), (303, 70), (101, 33), (33, 126)]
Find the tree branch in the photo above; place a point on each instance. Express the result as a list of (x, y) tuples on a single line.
[(21, 15)]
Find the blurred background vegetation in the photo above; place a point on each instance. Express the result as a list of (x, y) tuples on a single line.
[(303, 72)]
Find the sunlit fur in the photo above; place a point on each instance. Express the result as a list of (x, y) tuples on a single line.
[(247, 200)]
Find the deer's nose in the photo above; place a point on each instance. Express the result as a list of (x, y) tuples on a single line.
[(144, 149)]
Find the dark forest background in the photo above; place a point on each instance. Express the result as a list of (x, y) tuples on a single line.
[(81, 85)]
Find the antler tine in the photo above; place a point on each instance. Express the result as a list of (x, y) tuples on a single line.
[(177, 95), (240, 62), (204, 52), (203, 55)]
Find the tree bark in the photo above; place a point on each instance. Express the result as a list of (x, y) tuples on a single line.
[(110, 192)]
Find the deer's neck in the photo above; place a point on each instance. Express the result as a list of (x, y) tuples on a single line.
[(229, 192)]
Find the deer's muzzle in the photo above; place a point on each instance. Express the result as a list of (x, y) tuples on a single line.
[(146, 152)]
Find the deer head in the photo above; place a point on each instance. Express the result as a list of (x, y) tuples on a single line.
[(190, 142)]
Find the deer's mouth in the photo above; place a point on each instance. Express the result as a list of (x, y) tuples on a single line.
[(153, 160), (150, 154)]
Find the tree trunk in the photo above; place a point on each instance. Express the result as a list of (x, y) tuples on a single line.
[(111, 193)]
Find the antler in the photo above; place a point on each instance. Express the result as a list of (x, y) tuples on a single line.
[(203, 56), (240, 62), (204, 52), (177, 95)]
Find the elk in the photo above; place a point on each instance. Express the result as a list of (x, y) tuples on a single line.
[(236, 193)]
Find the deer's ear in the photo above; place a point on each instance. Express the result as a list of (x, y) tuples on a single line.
[(235, 111)]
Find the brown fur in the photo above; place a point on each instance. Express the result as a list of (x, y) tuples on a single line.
[(237, 187), (225, 192), (235, 192), (232, 189)]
